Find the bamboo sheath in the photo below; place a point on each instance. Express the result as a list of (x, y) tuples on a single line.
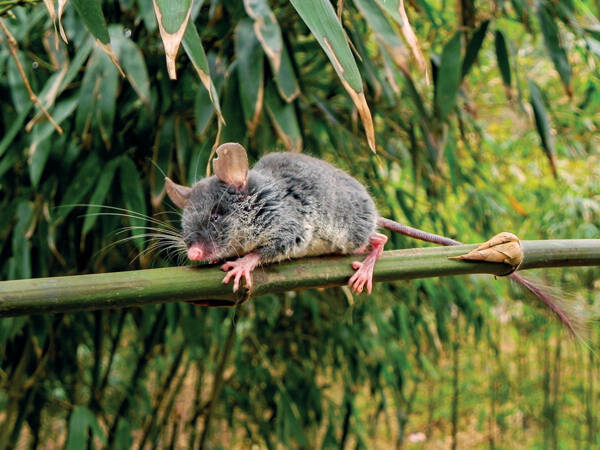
[(204, 283)]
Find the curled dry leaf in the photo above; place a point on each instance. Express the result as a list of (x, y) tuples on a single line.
[(503, 248)]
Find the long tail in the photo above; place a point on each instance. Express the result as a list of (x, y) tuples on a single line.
[(570, 319), (415, 233)]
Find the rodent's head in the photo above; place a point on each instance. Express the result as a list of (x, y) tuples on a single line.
[(211, 208)]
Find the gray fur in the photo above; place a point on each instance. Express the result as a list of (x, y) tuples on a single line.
[(294, 205)]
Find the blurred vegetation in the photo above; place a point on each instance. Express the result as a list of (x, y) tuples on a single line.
[(496, 130)]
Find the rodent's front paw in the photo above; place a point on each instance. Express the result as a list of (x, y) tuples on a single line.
[(241, 267)]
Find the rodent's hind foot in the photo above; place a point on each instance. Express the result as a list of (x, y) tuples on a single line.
[(364, 270), (362, 276), (241, 267)]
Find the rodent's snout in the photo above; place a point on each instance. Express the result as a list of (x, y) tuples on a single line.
[(196, 252)]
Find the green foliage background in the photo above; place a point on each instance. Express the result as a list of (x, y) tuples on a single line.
[(499, 133)]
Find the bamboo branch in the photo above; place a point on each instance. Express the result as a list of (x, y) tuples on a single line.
[(204, 284)]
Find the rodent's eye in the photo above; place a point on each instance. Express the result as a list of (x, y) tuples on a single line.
[(214, 217)]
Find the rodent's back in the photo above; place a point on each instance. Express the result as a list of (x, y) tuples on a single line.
[(339, 213)]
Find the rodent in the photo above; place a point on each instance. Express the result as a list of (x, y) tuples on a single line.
[(289, 205), (292, 205)]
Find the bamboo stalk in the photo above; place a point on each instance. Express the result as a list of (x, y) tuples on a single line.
[(141, 287)]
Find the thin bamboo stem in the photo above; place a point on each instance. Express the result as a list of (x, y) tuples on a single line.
[(204, 284)]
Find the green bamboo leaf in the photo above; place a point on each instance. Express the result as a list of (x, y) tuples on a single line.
[(82, 419), (92, 17), (172, 18), (198, 161), (522, 11), (502, 57), (106, 98), (133, 63), (133, 196), (40, 148), (14, 128), (146, 13), (542, 124), (283, 118), (552, 41), (203, 111), (285, 79), (87, 95), (384, 32), (422, 113), (448, 76), (288, 422), (99, 195), (395, 8), (193, 48), (371, 72), (235, 129), (322, 21), (429, 367), (392, 7), (453, 165), (18, 91), (75, 64), (78, 187), (473, 47), (183, 145), (9, 160), (403, 321), (21, 249), (162, 157), (123, 439), (267, 31), (249, 56)]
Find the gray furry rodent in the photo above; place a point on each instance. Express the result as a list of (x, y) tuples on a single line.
[(288, 206), (292, 205)]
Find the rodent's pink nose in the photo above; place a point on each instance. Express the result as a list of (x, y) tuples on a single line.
[(195, 252)]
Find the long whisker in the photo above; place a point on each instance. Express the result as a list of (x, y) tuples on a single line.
[(115, 211), (132, 216)]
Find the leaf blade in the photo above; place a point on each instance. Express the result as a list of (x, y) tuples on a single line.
[(542, 124), (249, 55), (321, 19), (448, 77), (172, 18), (555, 49), (502, 58), (133, 196), (195, 51)]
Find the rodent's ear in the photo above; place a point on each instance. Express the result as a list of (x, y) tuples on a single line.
[(231, 165), (177, 193)]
